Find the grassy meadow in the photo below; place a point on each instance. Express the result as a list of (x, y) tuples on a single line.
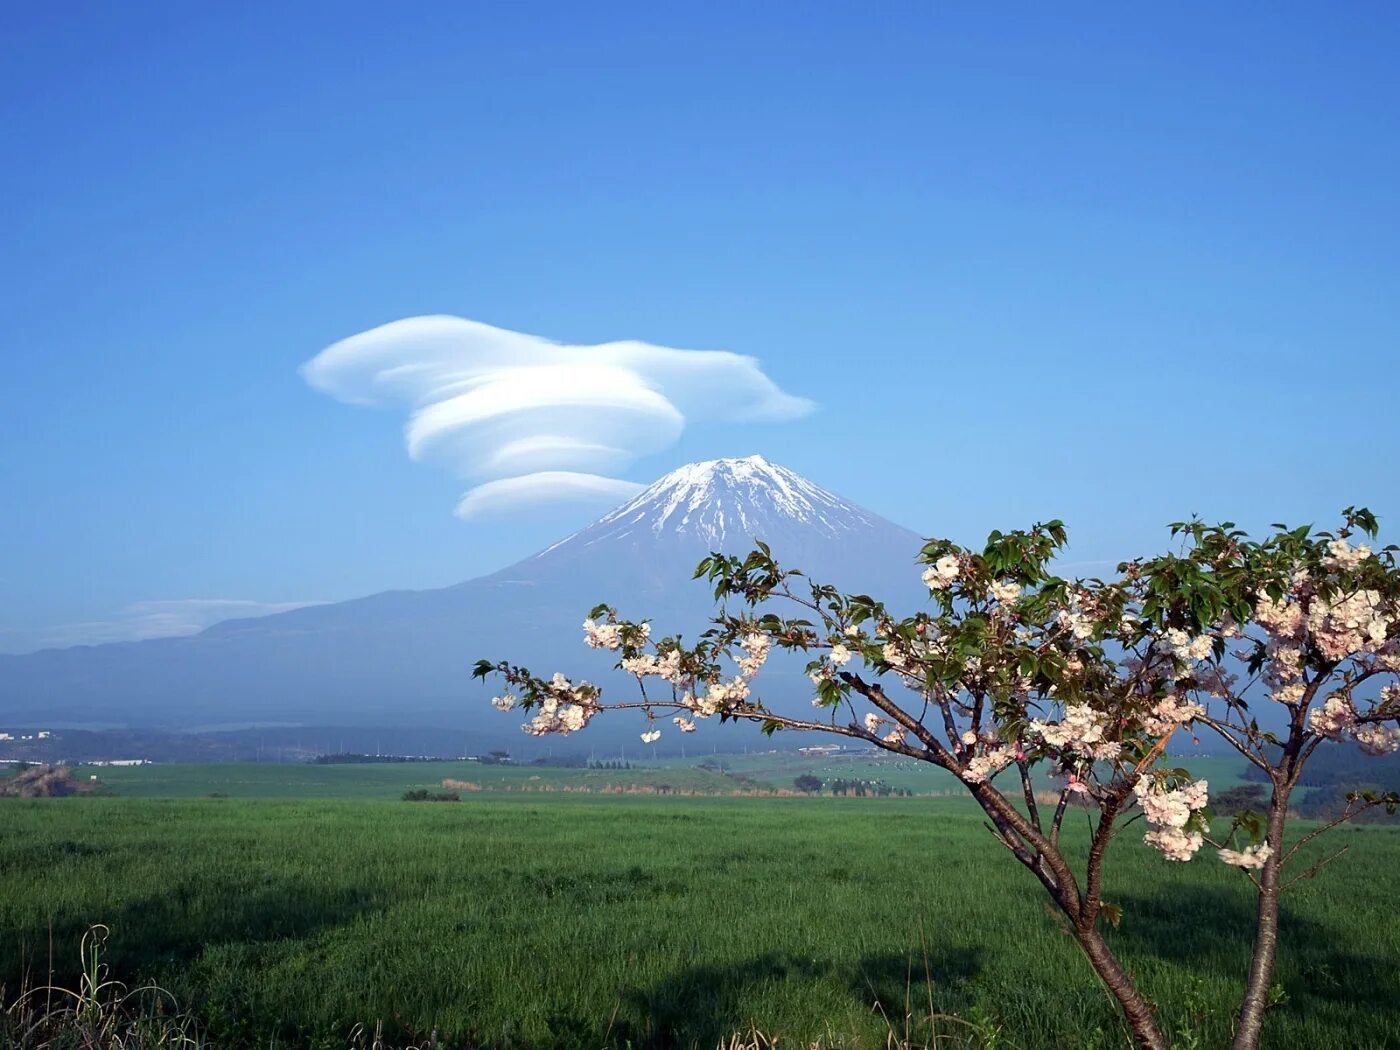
[(319, 901), (758, 771)]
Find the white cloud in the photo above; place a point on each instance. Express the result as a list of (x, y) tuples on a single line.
[(144, 620), (507, 495), (495, 405)]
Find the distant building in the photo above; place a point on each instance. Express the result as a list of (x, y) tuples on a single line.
[(120, 762), (821, 749), (6, 736)]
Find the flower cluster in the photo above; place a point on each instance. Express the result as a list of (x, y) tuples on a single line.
[(1249, 857), (602, 635), (1334, 719), (719, 696), (666, 665), (1080, 732), (1343, 557), (943, 573), (1188, 649), (874, 723), (983, 767), (1169, 812), (565, 708), (1377, 740), (1170, 713), (755, 647), (1005, 593), (1282, 619), (1078, 621), (1352, 623), (1337, 718)]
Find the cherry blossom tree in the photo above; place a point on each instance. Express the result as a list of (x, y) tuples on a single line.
[(1275, 646)]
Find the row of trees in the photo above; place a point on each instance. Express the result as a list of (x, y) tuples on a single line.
[(1276, 647), (860, 788)]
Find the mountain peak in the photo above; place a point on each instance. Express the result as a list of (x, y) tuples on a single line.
[(721, 503), (343, 660)]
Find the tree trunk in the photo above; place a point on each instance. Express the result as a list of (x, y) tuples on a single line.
[(1136, 1010), (1261, 963)]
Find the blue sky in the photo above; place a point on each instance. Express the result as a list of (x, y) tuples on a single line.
[(1116, 266)]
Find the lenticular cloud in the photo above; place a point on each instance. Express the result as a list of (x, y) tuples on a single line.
[(534, 421)]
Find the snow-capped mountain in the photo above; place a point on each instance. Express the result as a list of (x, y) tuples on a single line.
[(721, 499), (652, 542), (403, 657)]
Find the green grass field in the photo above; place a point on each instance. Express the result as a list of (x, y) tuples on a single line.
[(744, 772), (582, 920), (386, 781)]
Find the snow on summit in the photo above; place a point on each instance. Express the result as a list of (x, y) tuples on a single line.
[(722, 500)]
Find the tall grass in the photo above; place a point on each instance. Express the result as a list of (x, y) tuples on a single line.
[(100, 1013), (661, 922)]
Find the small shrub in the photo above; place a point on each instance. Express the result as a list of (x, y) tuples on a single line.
[(424, 795)]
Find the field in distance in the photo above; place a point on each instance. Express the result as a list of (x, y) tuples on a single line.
[(721, 774), (567, 919)]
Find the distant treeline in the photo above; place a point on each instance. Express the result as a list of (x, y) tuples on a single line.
[(867, 788), (350, 759), (1334, 772)]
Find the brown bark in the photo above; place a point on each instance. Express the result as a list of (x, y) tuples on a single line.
[(1049, 865), (1141, 1019), (1261, 963)]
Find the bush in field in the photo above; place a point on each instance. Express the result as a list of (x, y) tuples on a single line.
[(1243, 798), (424, 795), (807, 783), (1014, 667)]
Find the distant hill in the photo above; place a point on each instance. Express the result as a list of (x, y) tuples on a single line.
[(403, 658)]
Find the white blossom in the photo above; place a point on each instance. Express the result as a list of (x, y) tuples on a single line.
[(984, 767), (1081, 732), (1006, 593), (941, 574), (1352, 623), (1169, 713), (1334, 718), (755, 648), (602, 635), (1249, 857), (1342, 556), (1168, 812), (1174, 843), (1377, 739)]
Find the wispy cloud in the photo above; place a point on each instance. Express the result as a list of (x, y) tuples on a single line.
[(142, 621), (551, 419), (543, 487)]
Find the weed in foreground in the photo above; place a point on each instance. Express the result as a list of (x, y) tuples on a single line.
[(101, 1013)]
